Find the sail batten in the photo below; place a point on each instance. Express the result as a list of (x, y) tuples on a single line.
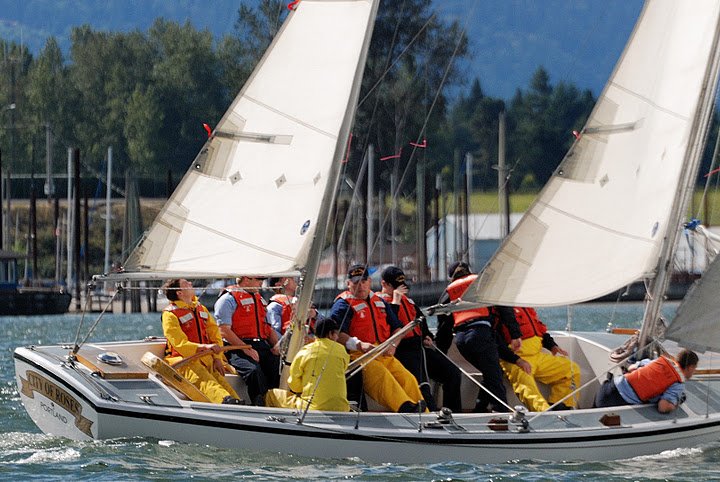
[(600, 222), (250, 202)]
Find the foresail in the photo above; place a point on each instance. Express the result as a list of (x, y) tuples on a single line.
[(599, 222), (697, 321), (249, 203)]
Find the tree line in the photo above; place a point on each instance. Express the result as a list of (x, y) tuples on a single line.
[(147, 94)]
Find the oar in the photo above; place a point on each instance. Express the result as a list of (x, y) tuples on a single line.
[(199, 354)]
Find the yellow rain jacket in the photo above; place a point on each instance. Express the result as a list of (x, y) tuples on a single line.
[(199, 372), (324, 359)]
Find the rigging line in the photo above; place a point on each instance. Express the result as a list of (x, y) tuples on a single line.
[(422, 129), (77, 346), (366, 140), (473, 380), (400, 55)]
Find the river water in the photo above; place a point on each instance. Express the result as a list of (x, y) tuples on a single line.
[(27, 454)]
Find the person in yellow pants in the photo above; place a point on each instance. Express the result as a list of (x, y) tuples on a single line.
[(317, 374), (531, 365), (189, 328), (366, 320)]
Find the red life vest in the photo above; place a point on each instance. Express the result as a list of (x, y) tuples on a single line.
[(654, 378), (369, 321), (530, 324), (458, 288), (406, 313), (192, 323), (248, 320), (287, 309)]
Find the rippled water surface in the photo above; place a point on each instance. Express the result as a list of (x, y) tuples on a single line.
[(27, 454)]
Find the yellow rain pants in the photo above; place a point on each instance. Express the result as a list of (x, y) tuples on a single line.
[(207, 380), (558, 372), (389, 383)]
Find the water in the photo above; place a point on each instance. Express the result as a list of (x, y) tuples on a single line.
[(27, 454)]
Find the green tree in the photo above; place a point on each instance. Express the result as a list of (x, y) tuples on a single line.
[(541, 122)]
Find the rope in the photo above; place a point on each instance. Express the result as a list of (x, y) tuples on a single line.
[(472, 379), (77, 346)]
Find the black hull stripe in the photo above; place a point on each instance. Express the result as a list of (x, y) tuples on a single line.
[(513, 437)]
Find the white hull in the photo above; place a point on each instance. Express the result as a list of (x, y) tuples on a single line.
[(66, 401)]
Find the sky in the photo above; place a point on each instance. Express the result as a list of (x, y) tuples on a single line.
[(577, 41)]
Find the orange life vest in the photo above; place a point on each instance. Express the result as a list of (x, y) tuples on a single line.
[(287, 309), (369, 322), (654, 378), (192, 323), (406, 313), (248, 320), (530, 324), (458, 288)]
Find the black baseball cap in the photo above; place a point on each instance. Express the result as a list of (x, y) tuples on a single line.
[(458, 269), (394, 276), (357, 272)]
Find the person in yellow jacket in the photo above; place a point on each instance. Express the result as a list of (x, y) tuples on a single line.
[(190, 328), (317, 374), (532, 364)]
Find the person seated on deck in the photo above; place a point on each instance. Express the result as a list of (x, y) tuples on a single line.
[(240, 312), (529, 364), (649, 381), (416, 351), (366, 320), (317, 374), (190, 328), (280, 308)]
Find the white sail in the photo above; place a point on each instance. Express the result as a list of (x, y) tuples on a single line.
[(599, 222), (250, 202), (697, 318)]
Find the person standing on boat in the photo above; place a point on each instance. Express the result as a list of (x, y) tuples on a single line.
[(366, 320), (416, 351), (649, 381), (530, 364), (477, 337), (190, 328), (317, 374), (240, 312)]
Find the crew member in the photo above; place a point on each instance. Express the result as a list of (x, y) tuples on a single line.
[(241, 312), (366, 320), (317, 374), (476, 337), (416, 351), (554, 369), (189, 328), (660, 381)]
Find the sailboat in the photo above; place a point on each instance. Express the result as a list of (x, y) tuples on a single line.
[(613, 208)]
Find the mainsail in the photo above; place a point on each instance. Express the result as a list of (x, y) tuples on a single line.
[(599, 223), (251, 201)]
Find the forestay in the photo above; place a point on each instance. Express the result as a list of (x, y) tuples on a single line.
[(598, 224), (251, 201)]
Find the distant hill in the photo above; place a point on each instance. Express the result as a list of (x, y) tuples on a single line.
[(577, 41)]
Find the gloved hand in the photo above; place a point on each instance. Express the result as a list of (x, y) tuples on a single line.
[(683, 397)]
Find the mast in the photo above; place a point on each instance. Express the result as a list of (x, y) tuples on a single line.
[(683, 196)]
